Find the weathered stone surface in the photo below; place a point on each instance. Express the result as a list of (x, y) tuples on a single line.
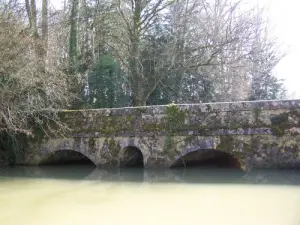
[(259, 133)]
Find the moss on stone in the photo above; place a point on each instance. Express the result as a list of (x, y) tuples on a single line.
[(92, 143), (175, 117), (282, 121), (105, 125), (278, 124), (169, 143), (226, 143), (80, 121), (114, 147), (153, 127), (129, 118), (170, 146)]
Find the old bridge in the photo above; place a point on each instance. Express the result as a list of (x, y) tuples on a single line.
[(242, 134)]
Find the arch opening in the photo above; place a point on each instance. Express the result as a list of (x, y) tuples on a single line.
[(207, 159), (67, 157), (131, 157)]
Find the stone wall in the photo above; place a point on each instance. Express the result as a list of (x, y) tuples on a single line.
[(258, 134)]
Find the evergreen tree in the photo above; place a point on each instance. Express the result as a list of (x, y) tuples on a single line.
[(106, 84)]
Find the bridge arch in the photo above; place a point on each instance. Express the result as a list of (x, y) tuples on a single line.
[(66, 146), (131, 157), (211, 151), (66, 156), (206, 158)]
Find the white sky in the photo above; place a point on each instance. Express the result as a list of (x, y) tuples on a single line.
[(284, 17)]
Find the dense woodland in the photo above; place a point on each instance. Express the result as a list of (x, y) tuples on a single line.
[(115, 53)]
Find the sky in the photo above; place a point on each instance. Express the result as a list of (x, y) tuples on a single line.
[(284, 18)]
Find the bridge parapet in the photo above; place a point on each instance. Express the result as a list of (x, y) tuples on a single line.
[(201, 119)]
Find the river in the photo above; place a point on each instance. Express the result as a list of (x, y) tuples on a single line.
[(83, 195)]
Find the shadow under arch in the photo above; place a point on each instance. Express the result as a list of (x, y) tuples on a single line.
[(131, 157), (206, 158), (67, 157)]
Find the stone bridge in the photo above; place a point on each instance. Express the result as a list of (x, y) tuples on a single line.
[(244, 134)]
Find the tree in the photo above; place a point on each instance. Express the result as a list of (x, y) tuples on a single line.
[(171, 51), (44, 30), (214, 44), (73, 64), (40, 44), (202, 40), (29, 94), (137, 17), (182, 51), (106, 84), (263, 59)]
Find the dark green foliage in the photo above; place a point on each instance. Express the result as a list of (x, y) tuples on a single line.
[(264, 84), (267, 87), (281, 122), (197, 87), (162, 94), (107, 84), (11, 147)]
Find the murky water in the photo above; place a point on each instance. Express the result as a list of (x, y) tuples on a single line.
[(84, 195)]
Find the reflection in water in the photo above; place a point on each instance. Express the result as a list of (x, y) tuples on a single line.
[(179, 175), (83, 195)]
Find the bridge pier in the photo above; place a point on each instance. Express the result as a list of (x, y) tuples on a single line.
[(157, 163)]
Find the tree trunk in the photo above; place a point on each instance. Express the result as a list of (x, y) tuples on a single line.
[(33, 19), (137, 81), (73, 37), (44, 30), (38, 43), (28, 11)]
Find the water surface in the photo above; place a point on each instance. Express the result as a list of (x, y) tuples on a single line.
[(84, 195)]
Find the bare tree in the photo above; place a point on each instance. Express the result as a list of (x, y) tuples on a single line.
[(214, 38), (29, 96), (218, 38), (136, 18), (184, 47)]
